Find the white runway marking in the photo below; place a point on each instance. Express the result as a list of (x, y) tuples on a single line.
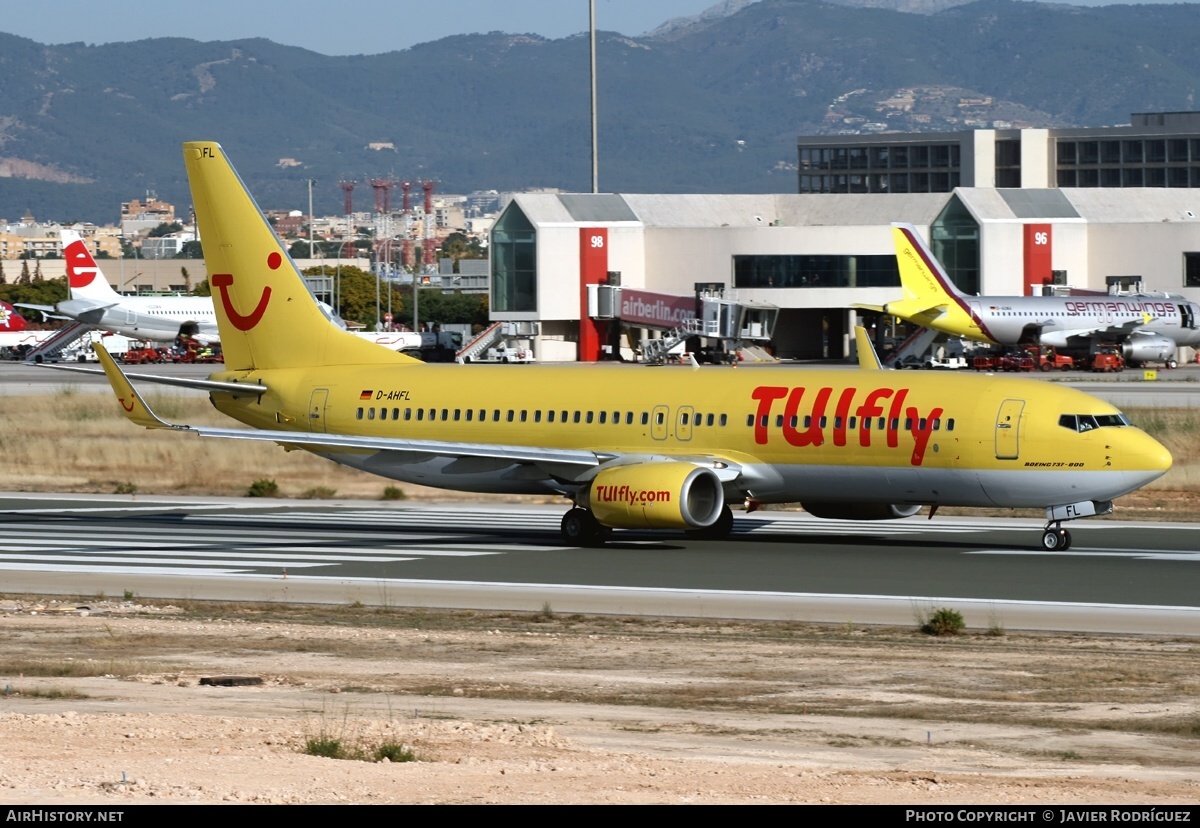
[(1140, 554)]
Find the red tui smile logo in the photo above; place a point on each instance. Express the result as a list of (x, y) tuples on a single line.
[(222, 282)]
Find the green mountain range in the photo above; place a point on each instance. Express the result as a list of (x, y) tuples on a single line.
[(712, 105)]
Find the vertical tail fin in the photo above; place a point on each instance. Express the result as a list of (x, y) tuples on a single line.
[(10, 320), (920, 272), (265, 312), (83, 274), (929, 295)]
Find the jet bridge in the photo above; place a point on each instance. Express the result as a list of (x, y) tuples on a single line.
[(713, 314)]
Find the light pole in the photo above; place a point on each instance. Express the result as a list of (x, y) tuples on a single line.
[(595, 147), (337, 281), (311, 182)]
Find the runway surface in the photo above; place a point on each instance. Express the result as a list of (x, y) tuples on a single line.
[(1118, 577)]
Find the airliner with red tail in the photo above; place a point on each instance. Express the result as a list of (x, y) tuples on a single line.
[(94, 303), (14, 330)]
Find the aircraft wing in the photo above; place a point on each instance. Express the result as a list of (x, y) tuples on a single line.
[(30, 306), (1128, 328), (575, 465), (212, 386)]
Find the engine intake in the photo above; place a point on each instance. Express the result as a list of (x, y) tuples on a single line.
[(665, 495), (1148, 348)]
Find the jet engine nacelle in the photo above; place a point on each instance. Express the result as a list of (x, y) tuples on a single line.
[(861, 511), (1148, 348), (665, 495)]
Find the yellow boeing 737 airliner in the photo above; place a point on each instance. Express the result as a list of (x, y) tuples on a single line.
[(637, 448)]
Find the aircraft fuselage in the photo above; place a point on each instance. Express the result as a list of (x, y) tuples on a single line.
[(796, 435)]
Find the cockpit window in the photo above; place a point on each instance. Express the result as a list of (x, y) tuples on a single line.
[(1087, 422)]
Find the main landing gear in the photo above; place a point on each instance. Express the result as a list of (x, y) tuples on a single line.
[(580, 528), (718, 531)]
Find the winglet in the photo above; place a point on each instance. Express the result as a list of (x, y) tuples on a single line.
[(131, 401), (868, 360)]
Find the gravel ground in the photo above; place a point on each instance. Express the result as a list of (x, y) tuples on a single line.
[(104, 705)]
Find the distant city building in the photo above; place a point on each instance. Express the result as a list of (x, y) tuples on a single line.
[(165, 247), (138, 217)]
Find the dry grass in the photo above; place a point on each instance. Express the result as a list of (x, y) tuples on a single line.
[(75, 441)]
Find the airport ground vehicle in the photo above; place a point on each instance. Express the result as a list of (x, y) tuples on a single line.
[(1107, 360), (1049, 359), (505, 354), (140, 353), (1016, 361)]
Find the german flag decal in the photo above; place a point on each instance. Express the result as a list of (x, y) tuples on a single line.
[(366, 395)]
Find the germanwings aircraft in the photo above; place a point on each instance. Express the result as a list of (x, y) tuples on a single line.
[(1147, 327), (94, 303), (634, 447)]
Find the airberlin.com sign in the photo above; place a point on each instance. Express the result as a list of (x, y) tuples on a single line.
[(656, 310)]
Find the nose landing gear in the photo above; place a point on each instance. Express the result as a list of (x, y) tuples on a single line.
[(1056, 539)]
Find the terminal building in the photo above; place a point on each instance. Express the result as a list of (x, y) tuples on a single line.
[(1008, 212)]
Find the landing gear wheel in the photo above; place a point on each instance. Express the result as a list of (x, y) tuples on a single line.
[(719, 530), (1172, 364), (1056, 540), (580, 528)]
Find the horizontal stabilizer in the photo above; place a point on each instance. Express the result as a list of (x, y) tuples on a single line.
[(916, 310)]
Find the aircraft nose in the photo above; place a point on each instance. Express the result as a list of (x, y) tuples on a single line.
[(1138, 452)]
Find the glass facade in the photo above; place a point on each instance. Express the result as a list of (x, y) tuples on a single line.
[(1133, 162), (912, 168), (1191, 269), (815, 271), (514, 263), (955, 243)]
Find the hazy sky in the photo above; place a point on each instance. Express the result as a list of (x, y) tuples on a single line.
[(335, 27)]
